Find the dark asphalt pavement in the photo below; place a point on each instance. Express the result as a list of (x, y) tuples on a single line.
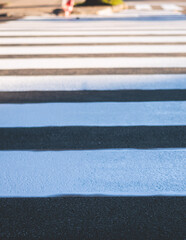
[(93, 96), (112, 218), (91, 71), (81, 138)]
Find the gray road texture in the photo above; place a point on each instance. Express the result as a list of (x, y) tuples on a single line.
[(85, 218)]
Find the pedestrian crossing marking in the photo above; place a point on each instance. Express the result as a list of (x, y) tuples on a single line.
[(172, 7), (90, 33), (70, 63), (155, 9), (143, 7), (94, 172), (84, 146), (131, 100), (91, 40), (92, 82), (109, 49), (93, 114)]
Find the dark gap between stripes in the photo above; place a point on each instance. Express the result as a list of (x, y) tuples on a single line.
[(90, 44), (92, 137), (91, 71), (97, 35), (96, 55), (93, 96), (94, 30)]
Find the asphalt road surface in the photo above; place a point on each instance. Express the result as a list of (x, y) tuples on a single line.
[(93, 218), (92, 125)]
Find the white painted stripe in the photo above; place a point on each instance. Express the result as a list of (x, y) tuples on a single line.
[(68, 63), (143, 7), (148, 13), (92, 21), (172, 7), (78, 28), (25, 50), (76, 40), (93, 114), (107, 172), (101, 33), (83, 21), (99, 82)]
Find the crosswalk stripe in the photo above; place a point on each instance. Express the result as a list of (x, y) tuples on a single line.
[(93, 82), (90, 172), (75, 40), (108, 49), (143, 7), (93, 114), (91, 33), (135, 14), (86, 24), (171, 7), (119, 20), (92, 29), (68, 63), (155, 8)]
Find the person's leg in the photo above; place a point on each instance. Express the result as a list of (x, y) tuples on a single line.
[(67, 6)]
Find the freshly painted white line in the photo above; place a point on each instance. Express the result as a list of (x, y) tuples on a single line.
[(68, 63), (25, 50), (143, 7), (106, 172), (172, 7), (101, 33), (93, 114), (97, 82), (76, 40)]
